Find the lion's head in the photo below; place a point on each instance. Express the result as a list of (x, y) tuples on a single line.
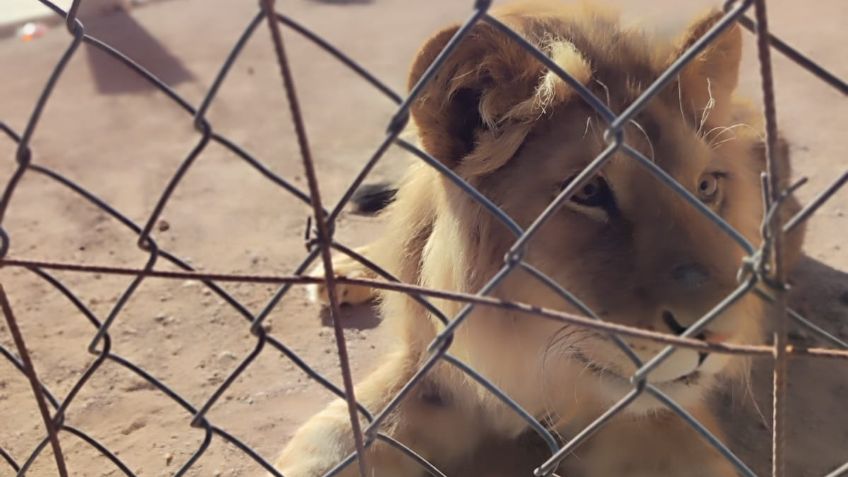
[(625, 244)]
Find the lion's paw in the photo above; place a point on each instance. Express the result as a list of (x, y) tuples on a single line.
[(343, 267)]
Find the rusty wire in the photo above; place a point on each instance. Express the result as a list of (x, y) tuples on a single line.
[(770, 278), (776, 281)]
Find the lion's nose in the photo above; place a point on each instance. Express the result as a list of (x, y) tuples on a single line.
[(671, 322), (690, 276)]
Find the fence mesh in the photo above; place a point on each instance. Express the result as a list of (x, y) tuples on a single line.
[(757, 277)]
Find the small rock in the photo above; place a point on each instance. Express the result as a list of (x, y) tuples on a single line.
[(163, 225), (169, 458), (224, 356)]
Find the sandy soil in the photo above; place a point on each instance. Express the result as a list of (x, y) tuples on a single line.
[(123, 140)]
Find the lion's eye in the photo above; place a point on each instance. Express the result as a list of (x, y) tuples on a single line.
[(595, 193), (707, 187)]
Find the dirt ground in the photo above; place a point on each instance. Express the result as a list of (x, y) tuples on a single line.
[(122, 140)]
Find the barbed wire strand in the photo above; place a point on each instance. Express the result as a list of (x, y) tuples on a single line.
[(35, 384), (324, 233), (774, 231)]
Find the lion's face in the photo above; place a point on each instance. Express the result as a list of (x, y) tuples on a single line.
[(625, 244), (631, 248)]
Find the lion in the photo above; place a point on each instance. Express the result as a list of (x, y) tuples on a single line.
[(627, 246)]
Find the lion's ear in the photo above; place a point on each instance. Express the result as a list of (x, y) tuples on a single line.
[(708, 81), (488, 90)]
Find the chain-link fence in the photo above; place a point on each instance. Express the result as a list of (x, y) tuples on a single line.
[(761, 272)]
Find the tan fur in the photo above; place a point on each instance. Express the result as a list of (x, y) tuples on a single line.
[(498, 118)]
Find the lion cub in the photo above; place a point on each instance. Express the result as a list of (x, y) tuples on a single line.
[(626, 245)]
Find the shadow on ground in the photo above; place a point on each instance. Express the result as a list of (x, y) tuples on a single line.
[(123, 32)]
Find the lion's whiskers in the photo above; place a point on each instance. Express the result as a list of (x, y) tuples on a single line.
[(680, 99), (705, 115), (647, 138), (749, 392), (713, 142), (588, 126), (555, 348), (606, 89)]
